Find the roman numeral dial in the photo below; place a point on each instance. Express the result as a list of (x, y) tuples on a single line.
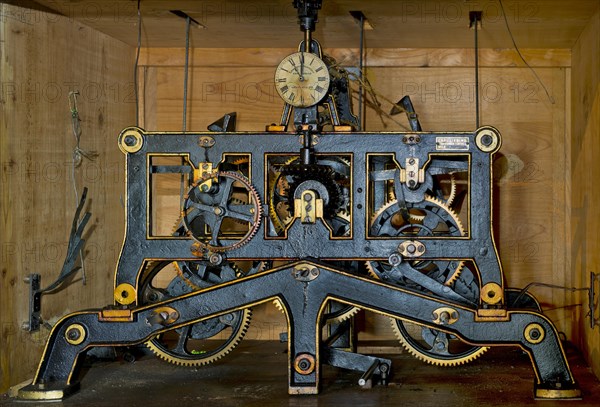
[(302, 79)]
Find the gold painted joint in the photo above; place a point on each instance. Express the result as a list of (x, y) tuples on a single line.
[(305, 363), (125, 294), (131, 141), (308, 207), (206, 141), (47, 392), (297, 390), (534, 333), (492, 294), (487, 139), (204, 172), (115, 315), (492, 315), (411, 248), (272, 128), (164, 316), (343, 129), (75, 334), (445, 316), (557, 394)]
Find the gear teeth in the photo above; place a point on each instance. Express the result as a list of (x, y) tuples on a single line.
[(335, 320), (371, 269), (419, 354), (429, 199), (352, 311), (233, 342), (452, 279), (257, 209), (240, 161), (272, 187), (453, 214), (452, 195)]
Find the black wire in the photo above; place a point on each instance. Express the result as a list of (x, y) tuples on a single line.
[(550, 98), (536, 284), (135, 68)]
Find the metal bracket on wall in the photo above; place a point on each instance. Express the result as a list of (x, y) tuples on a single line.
[(35, 303), (594, 319)]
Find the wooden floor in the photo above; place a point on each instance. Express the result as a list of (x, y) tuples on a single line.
[(255, 374)]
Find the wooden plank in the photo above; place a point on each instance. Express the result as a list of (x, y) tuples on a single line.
[(435, 23), (585, 133), (375, 57), (40, 64)]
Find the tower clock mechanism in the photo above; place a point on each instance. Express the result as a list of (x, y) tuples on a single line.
[(322, 220)]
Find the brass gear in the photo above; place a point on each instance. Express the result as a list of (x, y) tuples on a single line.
[(391, 195), (223, 211), (445, 360), (336, 318), (441, 357), (419, 218), (280, 216), (453, 189), (238, 321), (198, 359), (274, 181)]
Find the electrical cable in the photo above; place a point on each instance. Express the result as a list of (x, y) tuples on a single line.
[(536, 284), (550, 98)]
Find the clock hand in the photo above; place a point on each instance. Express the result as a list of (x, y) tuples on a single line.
[(295, 68), (302, 66)]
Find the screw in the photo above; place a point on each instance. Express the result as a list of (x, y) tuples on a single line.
[(130, 141), (411, 161), (395, 259), (308, 197), (73, 334), (411, 248), (216, 259)]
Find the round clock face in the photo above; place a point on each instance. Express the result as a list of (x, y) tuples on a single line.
[(302, 79)]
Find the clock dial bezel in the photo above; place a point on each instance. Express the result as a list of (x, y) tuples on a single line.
[(302, 79)]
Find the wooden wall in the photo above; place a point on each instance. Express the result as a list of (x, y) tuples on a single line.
[(531, 176), (585, 171), (42, 58)]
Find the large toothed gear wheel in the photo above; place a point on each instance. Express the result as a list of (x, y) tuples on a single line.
[(431, 217), (332, 317), (208, 208), (438, 347), (329, 177), (202, 342)]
